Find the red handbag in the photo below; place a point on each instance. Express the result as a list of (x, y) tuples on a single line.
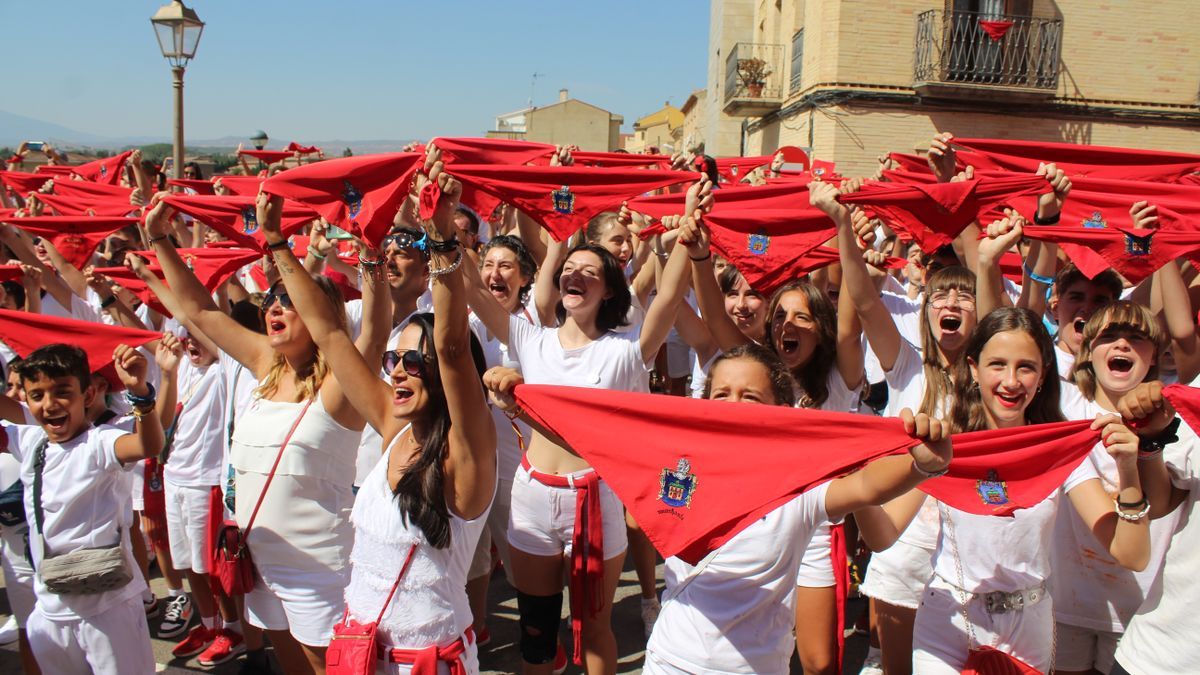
[(232, 566), (354, 648), (991, 661)]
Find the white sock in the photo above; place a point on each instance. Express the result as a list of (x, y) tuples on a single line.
[(234, 626), (177, 592), (210, 622)]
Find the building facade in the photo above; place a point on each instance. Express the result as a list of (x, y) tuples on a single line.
[(853, 79), (659, 130), (566, 121)]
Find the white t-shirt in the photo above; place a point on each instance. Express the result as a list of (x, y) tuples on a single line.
[(86, 502), (1065, 362), (354, 315), (906, 313), (1089, 587), (495, 353), (196, 458), (1161, 637), (1001, 553), (614, 361), (737, 616)]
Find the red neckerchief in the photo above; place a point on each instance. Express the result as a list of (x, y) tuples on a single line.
[(236, 217), (491, 151), (267, 156), (1135, 254), (696, 481), (75, 237), (107, 170), (1097, 161), (240, 185), (96, 206), (200, 187), (358, 194)]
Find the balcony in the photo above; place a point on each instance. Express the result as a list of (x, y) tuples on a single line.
[(986, 56), (754, 82)]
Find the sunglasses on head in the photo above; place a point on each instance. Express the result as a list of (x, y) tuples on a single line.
[(412, 360), (404, 239), (285, 300)]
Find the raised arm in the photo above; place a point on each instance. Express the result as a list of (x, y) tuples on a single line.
[(877, 323), (311, 303), (471, 463), (147, 438), (661, 315), (244, 345), (545, 291), (1146, 406), (1001, 236), (1128, 541)]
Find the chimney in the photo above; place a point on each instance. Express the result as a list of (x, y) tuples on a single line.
[(562, 95)]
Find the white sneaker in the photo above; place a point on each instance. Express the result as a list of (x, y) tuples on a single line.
[(872, 665), (650, 609), (8, 632)]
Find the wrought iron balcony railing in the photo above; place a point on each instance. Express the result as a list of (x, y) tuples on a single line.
[(754, 77), (974, 50)]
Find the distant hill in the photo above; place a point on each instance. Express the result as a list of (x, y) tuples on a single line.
[(17, 128)]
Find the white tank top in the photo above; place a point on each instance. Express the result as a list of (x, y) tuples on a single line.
[(430, 606), (304, 522)]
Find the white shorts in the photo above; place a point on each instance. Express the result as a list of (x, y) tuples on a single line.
[(469, 660), (136, 475), (301, 602), (816, 568), (113, 642), (940, 636), (495, 531), (1084, 649), (187, 525), (655, 665), (18, 583), (542, 518), (898, 575)]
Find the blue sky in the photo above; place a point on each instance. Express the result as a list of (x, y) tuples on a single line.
[(347, 69)]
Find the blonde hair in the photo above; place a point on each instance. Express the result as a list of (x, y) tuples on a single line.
[(1121, 313), (309, 377)]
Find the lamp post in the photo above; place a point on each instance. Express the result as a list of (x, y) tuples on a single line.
[(178, 30), (259, 139)]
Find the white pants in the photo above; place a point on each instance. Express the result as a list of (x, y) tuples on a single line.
[(1084, 649), (18, 578), (115, 641), (187, 525), (304, 603), (940, 636)]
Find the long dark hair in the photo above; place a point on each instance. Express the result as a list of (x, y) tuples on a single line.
[(813, 375), (938, 383), (421, 492), (966, 413), (612, 310)]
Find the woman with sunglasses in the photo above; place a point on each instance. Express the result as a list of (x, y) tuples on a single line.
[(427, 498), (553, 484), (301, 536)]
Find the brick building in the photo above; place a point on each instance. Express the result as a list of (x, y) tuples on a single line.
[(852, 79)]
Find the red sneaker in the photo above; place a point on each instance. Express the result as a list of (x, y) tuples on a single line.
[(196, 641), (227, 645), (560, 660)]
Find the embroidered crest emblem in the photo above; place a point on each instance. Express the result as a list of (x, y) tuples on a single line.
[(103, 171), (352, 198), (564, 200), (758, 243), (819, 171), (677, 486), (1137, 246), (993, 491), (1097, 220), (733, 170), (249, 220)]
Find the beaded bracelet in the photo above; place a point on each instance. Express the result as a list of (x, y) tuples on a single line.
[(435, 273), (1132, 517)]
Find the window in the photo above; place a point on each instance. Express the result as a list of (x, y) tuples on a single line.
[(797, 60)]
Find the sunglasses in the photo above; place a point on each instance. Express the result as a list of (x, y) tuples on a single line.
[(405, 240), (285, 300), (412, 360)]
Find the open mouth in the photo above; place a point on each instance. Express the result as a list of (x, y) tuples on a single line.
[(498, 289), (57, 424), (1120, 364), (274, 326), (950, 324), (789, 345), (1078, 325), (402, 395), (1009, 400), (573, 290)]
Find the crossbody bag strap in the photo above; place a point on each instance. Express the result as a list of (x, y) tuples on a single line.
[(271, 476), (403, 570), (675, 590), (39, 463)]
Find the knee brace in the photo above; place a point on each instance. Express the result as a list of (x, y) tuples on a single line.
[(540, 616)]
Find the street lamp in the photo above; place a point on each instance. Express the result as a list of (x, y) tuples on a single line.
[(178, 30), (259, 139)]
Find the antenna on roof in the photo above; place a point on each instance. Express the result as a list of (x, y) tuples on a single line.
[(533, 84)]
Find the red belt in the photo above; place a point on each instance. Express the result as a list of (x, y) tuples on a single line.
[(425, 661), (587, 546)]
